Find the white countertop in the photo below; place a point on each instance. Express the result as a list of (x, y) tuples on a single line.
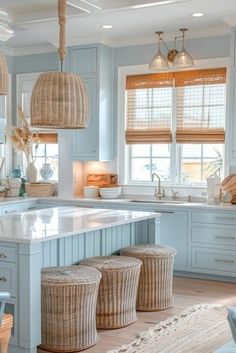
[(57, 222), (164, 204)]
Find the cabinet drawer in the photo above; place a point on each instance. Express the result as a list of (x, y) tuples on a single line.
[(8, 253), (214, 259), (214, 235), (8, 278), (214, 217)]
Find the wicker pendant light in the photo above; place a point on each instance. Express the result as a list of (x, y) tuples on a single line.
[(59, 99), (3, 76)]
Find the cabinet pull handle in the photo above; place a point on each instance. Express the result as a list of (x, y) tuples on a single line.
[(223, 237), (32, 208), (226, 261), (3, 279), (13, 211), (225, 218), (3, 255), (170, 212)]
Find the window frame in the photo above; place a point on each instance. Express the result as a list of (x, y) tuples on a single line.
[(25, 83), (123, 150)]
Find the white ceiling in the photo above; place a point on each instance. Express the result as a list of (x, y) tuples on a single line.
[(35, 21)]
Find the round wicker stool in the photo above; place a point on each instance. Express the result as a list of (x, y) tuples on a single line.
[(69, 297), (116, 306), (156, 277)]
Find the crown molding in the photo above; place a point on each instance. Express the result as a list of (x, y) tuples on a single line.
[(39, 49), (70, 42)]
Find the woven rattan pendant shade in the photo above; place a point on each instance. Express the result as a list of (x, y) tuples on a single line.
[(59, 99), (3, 76)]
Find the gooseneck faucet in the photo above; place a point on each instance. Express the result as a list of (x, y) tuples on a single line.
[(158, 192)]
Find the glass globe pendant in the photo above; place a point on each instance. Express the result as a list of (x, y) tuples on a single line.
[(159, 61), (183, 59)]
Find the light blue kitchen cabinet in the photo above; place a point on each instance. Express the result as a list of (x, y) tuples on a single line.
[(95, 65), (174, 232), (84, 142), (84, 62)]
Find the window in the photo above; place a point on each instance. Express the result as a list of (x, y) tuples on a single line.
[(47, 151), (175, 125)]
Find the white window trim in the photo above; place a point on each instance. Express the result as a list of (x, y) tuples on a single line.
[(122, 155)]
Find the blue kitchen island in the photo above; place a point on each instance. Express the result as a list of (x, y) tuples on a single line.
[(58, 236)]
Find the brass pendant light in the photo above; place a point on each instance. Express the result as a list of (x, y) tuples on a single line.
[(3, 76), (59, 99)]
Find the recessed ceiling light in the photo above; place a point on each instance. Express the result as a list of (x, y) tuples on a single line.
[(106, 26), (197, 14)]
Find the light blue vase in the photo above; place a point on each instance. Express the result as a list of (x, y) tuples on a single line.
[(46, 171)]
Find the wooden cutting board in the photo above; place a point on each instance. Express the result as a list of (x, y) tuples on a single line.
[(102, 180)]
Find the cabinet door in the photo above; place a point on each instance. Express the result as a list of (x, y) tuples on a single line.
[(174, 233), (84, 62), (85, 141)]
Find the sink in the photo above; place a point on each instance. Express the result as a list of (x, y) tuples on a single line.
[(159, 201)]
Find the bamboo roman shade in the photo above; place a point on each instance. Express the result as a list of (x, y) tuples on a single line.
[(200, 116), (148, 108), (200, 107), (50, 138)]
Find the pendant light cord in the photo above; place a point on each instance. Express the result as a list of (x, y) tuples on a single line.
[(62, 24)]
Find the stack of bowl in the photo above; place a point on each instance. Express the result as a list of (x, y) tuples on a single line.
[(110, 192)]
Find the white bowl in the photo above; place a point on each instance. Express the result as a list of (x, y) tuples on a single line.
[(91, 191), (110, 193)]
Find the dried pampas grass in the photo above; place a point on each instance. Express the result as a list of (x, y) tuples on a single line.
[(24, 139)]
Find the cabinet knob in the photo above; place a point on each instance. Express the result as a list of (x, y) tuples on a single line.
[(3, 279), (3, 255)]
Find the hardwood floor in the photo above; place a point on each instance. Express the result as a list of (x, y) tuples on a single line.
[(187, 292)]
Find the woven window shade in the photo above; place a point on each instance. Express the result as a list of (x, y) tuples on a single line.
[(51, 138), (200, 106), (148, 108)]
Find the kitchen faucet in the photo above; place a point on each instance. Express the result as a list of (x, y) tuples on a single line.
[(158, 193)]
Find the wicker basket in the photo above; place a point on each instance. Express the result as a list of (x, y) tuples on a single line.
[(39, 189), (69, 297), (116, 306), (156, 277)]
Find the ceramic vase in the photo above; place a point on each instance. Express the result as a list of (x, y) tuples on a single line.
[(46, 171), (31, 172)]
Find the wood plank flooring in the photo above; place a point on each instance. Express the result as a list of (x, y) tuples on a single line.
[(187, 292)]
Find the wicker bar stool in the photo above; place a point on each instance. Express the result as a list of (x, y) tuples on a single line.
[(116, 306), (69, 297), (156, 277)]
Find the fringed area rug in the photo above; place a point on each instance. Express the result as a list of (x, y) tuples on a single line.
[(199, 329)]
